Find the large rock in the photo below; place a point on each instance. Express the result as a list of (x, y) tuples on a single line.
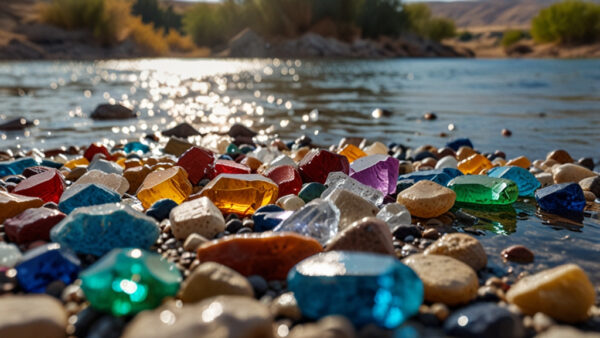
[(569, 172), (32, 317), (427, 199), (212, 279), (112, 112), (182, 130), (18, 123)]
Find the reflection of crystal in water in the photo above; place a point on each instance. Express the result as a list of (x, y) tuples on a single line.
[(499, 219)]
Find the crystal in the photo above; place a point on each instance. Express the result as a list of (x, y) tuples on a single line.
[(16, 167), (240, 194), (48, 186), (461, 142), (170, 183), (394, 214), (82, 161), (377, 171), (127, 281), (98, 229), (268, 217), (337, 180), (526, 182), (105, 166), (31, 225), (94, 149), (196, 161), (318, 219), (11, 205), (136, 147), (479, 189), (9, 255), (310, 191), (282, 160), (228, 167), (352, 152), (287, 179), (439, 176), (363, 287), (561, 198), (85, 195), (269, 254), (521, 161), (474, 164), (317, 164), (161, 209), (115, 182), (46, 264)]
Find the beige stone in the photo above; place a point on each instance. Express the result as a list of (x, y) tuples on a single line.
[(368, 235), (32, 316), (427, 199), (545, 179), (193, 241), (75, 173), (211, 279), (199, 216), (290, 202), (115, 182), (560, 156), (570, 172), (11, 204), (463, 247), (446, 280), (376, 148), (352, 207), (567, 332), (327, 327), (285, 305)]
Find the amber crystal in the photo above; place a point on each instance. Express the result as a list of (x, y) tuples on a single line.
[(171, 183)]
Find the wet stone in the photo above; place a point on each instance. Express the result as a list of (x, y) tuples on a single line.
[(170, 183), (461, 142), (560, 156), (570, 172), (199, 216), (212, 279), (113, 181), (427, 199), (561, 198), (318, 219), (183, 130), (484, 190), (484, 320), (10, 255), (591, 184), (545, 179), (366, 235), (463, 247), (364, 287), (377, 171), (32, 225), (317, 164), (85, 195), (45, 264), (518, 254), (161, 209)]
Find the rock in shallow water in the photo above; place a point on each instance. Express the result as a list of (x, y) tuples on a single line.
[(463, 247), (561, 198), (32, 316), (366, 288), (427, 199), (484, 320)]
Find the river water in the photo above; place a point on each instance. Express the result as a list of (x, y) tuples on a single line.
[(547, 104)]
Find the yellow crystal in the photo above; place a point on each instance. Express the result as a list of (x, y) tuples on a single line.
[(352, 152), (12, 205), (474, 165), (171, 183), (76, 162)]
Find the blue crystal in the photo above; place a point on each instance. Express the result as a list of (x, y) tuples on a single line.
[(85, 195), (134, 147), (484, 320), (439, 176), (403, 185), (364, 287), (460, 142), (318, 219), (561, 198), (268, 217), (16, 167), (161, 209), (525, 180), (98, 229), (46, 264)]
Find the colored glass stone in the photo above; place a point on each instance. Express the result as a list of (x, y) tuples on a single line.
[(439, 176), (352, 152), (310, 191), (196, 161), (287, 179), (338, 180), (11, 205), (461, 142), (170, 183), (270, 255), (161, 209), (127, 281), (317, 164), (318, 219), (105, 166), (394, 214), (561, 198), (76, 162), (474, 165), (32, 225), (377, 171), (32, 171), (136, 147), (85, 195), (46, 264), (363, 287), (479, 189), (51, 164), (94, 149), (9, 255), (48, 186), (240, 194), (268, 217), (98, 229), (520, 161), (232, 149), (525, 180), (16, 167), (228, 167)]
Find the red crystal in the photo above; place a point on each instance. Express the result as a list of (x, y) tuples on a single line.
[(228, 167), (196, 161), (94, 149), (317, 164), (48, 186), (32, 225), (287, 178), (28, 172)]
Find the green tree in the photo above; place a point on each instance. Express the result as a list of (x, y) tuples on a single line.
[(568, 22), (382, 17)]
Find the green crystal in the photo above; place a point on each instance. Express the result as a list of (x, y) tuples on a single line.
[(484, 190), (232, 149), (127, 281)]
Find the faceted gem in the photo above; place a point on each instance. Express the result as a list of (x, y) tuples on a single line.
[(461, 142), (170, 183), (32, 225), (270, 255), (113, 181), (367, 235), (228, 167), (16, 167), (318, 219), (46, 264), (11, 205), (439, 176), (240, 194), (521, 162), (85, 195), (9, 255), (76, 162), (31, 171), (94, 149), (48, 186), (526, 182), (105, 166), (337, 180), (394, 214), (363, 287), (161, 209), (287, 179), (352, 152), (98, 229), (377, 171), (196, 161), (268, 217), (198, 216), (561, 198), (484, 320), (479, 189), (427, 199), (310, 191), (352, 207), (127, 281), (136, 147), (317, 164), (474, 165)]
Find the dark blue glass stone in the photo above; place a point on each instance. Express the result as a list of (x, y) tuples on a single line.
[(85, 195), (561, 198), (459, 142), (46, 264), (268, 217), (51, 164), (484, 320), (161, 209)]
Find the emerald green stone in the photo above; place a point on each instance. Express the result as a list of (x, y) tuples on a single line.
[(484, 190), (127, 281), (232, 149)]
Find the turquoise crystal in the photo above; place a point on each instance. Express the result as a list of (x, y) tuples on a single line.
[(127, 281), (484, 190), (16, 167), (363, 287), (526, 182), (99, 229), (85, 195), (135, 147)]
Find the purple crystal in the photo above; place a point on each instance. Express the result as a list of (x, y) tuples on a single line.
[(377, 171)]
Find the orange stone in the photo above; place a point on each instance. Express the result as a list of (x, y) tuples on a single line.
[(560, 156), (520, 161), (135, 176), (132, 163), (464, 152), (474, 164), (11, 205), (170, 183), (270, 255), (252, 162), (76, 162), (240, 194), (352, 152)]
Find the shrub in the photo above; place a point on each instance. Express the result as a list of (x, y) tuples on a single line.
[(179, 43), (439, 29), (423, 24), (465, 36), (382, 17), (568, 22), (510, 37), (150, 39), (212, 24), (152, 12)]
